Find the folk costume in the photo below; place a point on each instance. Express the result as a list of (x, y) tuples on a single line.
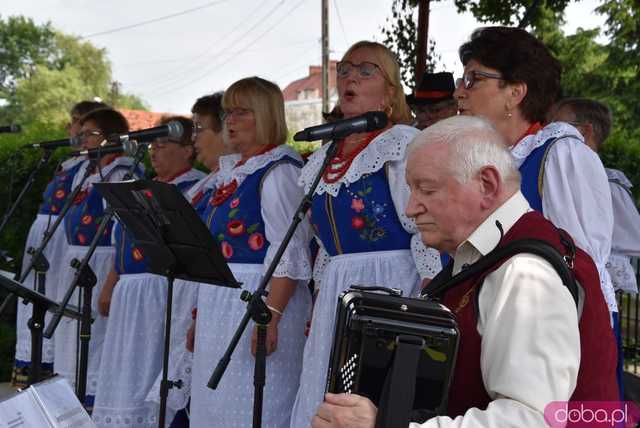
[(80, 224), (626, 233), (565, 180), (366, 239), (134, 339), (54, 198), (248, 215)]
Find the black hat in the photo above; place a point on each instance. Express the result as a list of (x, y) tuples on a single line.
[(433, 88)]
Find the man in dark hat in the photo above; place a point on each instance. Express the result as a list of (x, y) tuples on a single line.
[(433, 99)]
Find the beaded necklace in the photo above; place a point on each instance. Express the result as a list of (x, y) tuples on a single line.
[(340, 163)]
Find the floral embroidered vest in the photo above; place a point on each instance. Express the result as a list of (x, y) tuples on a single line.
[(532, 173), (55, 194), (237, 224), (361, 218), (84, 216), (597, 373), (129, 258)]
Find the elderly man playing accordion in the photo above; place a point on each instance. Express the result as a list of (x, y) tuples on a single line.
[(524, 341)]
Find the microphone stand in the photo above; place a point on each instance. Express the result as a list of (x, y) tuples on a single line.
[(256, 308), (86, 279), (37, 254)]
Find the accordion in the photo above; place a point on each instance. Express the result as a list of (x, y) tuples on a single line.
[(368, 325)]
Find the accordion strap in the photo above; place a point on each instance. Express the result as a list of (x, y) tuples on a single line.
[(398, 393)]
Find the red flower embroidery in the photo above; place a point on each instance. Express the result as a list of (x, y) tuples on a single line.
[(54, 209), (148, 193), (235, 227), (86, 219), (227, 249), (256, 241), (137, 254), (223, 193), (357, 205), (234, 203), (357, 222), (60, 194), (82, 239), (80, 197), (197, 198)]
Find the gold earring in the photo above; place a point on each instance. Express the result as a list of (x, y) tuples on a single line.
[(388, 110)]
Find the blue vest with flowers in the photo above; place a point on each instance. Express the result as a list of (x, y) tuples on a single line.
[(361, 218), (57, 190), (83, 219), (129, 258), (237, 224), (532, 172)]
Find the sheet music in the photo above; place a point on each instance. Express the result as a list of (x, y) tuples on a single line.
[(22, 411), (61, 405)]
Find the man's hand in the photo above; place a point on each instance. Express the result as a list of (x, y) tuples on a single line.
[(345, 411)]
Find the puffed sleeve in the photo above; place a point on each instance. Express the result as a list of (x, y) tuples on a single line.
[(427, 260), (576, 198), (279, 198)]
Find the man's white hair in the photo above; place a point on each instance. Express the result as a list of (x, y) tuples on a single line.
[(474, 143)]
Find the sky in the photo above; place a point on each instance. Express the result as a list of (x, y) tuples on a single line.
[(207, 45)]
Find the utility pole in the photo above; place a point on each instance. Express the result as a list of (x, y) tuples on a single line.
[(422, 44), (325, 56)]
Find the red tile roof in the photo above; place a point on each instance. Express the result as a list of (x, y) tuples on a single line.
[(312, 82), (140, 119)]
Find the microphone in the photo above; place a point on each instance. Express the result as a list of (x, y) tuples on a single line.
[(67, 142), (370, 121), (172, 129), (13, 128), (128, 147)]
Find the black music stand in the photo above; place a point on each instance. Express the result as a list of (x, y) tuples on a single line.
[(175, 242), (41, 304)]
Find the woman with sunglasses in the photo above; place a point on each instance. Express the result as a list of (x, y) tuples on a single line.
[(53, 200), (134, 301), (80, 225), (512, 79), (358, 210)]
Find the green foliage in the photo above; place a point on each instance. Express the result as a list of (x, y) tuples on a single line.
[(400, 35), (43, 72), (508, 12)]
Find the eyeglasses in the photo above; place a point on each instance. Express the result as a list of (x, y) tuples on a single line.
[(198, 129), (365, 69), (86, 134), (471, 77), (237, 112)]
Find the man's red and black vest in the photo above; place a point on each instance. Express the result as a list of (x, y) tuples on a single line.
[(597, 373)]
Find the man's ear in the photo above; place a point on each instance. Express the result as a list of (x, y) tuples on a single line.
[(490, 185)]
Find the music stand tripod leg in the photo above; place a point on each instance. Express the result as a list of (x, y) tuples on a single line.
[(36, 322), (165, 383)]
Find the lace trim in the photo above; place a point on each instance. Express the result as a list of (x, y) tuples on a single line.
[(70, 163), (524, 147), (192, 174), (614, 174), (294, 263), (391, 145), (622, 275), (228, 172), (427, 260), (105, 171)]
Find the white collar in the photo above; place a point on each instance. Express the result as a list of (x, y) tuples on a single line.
[(529, 143), (190, 175), (390, 145), (229, 172), (487, 235)]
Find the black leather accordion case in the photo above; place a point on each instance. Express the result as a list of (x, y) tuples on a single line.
[(367, 325)]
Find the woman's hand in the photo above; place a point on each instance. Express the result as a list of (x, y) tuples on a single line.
[(104, 301), (272, 335), (191, 336)]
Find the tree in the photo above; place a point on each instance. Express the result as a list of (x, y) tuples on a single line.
[(44, 72), (400, 35)]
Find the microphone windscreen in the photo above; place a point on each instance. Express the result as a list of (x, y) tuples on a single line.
[(175, 129)]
